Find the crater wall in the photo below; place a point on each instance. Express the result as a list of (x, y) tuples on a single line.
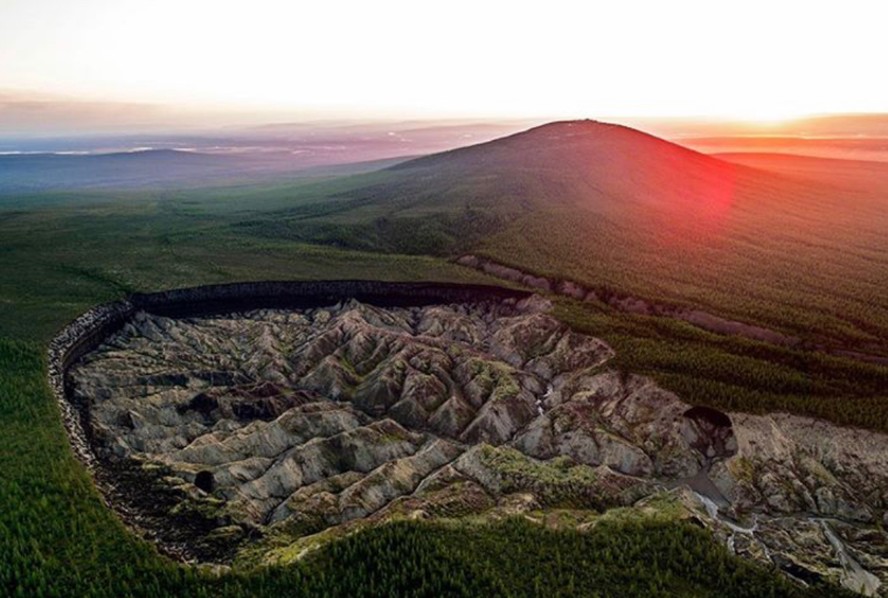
[(88, 330), (221, 416)]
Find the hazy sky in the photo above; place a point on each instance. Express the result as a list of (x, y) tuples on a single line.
[(755, 59)]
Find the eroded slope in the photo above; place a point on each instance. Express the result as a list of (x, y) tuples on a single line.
[(277, 426)]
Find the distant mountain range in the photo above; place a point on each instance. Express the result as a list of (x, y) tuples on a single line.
[(256, 154), (40, 172)]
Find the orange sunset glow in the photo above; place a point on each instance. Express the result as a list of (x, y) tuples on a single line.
[(230, 61)]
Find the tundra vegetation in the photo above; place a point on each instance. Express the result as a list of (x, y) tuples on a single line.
[(780, 251)]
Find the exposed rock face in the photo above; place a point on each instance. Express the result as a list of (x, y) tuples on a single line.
[(277, 406), (637, 305), (297, 421), (815, 497)]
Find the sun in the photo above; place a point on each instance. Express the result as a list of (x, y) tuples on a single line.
[(764, 116)]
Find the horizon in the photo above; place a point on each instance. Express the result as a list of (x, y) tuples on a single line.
[(132, 66), (296, 146)]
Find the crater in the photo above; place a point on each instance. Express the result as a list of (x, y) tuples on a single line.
[(294, 421), (247, 423)]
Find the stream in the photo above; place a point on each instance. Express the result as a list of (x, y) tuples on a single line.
[(855, 577)]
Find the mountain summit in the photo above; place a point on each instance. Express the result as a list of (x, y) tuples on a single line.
[(602, 204), (585, 163)]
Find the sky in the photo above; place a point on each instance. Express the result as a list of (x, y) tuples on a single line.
[(128, 61)]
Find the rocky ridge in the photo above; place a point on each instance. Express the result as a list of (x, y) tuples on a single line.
[(290, 423), (640, 306)]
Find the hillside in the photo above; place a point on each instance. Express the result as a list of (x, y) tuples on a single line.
[(587, 163), (610, 206), (584, 164), (472, 192)]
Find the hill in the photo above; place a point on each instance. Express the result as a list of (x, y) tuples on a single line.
[(585, 165), (606, 205), (594, 162)]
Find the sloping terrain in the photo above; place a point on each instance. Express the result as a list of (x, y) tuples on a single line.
[(288, 428), (608, 206), (844, 174)]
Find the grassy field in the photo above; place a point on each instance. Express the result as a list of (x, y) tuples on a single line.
[(67, 254)]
